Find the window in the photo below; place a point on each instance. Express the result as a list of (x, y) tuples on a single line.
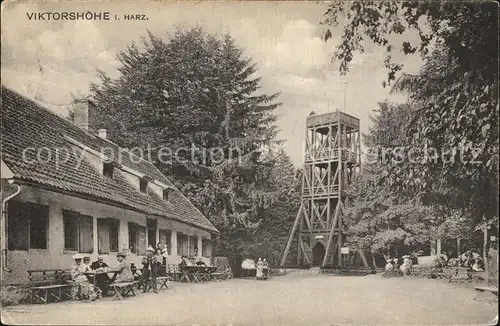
[(78, 232), (179, 244), (107, 233), (143, 185), (165, 194), (107, 170), (27, 225), (151, 225), (114, 231), (193, 246), (182, 244), (166, 239), (137, 238), (206, 248)]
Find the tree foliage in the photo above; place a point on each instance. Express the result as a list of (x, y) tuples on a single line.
[(450, 152), (195, 97), (377, 219)]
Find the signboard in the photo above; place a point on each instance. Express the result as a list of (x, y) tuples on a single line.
[(344, 250), (492, 238), (318, 237)]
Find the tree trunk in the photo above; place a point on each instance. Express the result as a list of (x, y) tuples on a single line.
[(363, 258), (374, 261)]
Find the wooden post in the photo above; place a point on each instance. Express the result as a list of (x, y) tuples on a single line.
[(485, 249), (290, 238), (340, 180)]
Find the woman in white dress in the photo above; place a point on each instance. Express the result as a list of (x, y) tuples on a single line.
[(260, 267)]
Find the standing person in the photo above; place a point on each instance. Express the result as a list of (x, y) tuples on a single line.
[(260, 267), (150, 269), (123, 272), (160, 267), (265, 268), (164, 253)]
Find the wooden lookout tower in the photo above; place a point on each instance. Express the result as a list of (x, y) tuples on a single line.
[(332, 158)]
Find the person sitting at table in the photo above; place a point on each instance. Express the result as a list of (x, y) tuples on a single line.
[(86, 260), (82, 289), (200, 262), (99, 265), (102, 280), (122, 271), (150, 269), (188, 261)]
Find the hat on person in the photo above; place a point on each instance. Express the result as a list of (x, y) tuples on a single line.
[(77, 256), (121, 254), (86, 257), (150, 249)]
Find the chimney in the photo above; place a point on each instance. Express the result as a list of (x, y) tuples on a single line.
[(81, 113), (102, 133)]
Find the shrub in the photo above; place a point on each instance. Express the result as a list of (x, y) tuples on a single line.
[(14, 295)]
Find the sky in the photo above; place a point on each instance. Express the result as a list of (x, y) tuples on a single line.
[(51, 61)]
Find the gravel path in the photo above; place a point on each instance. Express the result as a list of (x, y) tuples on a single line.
[(294, 299)]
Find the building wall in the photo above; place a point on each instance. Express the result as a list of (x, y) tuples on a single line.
[(56, 257)]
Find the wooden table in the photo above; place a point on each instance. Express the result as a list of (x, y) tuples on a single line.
[(92, 277), (190, 274), (197, 274)]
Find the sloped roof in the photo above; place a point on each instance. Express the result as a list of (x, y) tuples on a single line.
[(26, 124)]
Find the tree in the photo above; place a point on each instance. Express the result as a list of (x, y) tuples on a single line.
[(377, 219), (196, 97), (454, 96)]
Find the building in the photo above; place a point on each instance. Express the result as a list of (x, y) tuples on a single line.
[(66, 191)]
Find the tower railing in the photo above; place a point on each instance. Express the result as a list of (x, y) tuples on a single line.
[(327, 154)]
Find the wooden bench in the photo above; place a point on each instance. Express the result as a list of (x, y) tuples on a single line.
[(174, 272), (161, 282), (122, 289), (222, 276), (46, 284), (460, 274), (483, 288)]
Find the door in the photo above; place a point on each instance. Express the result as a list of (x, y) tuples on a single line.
[(318, 254)]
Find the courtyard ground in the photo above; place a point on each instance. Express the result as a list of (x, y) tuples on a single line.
[(294, 299)]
